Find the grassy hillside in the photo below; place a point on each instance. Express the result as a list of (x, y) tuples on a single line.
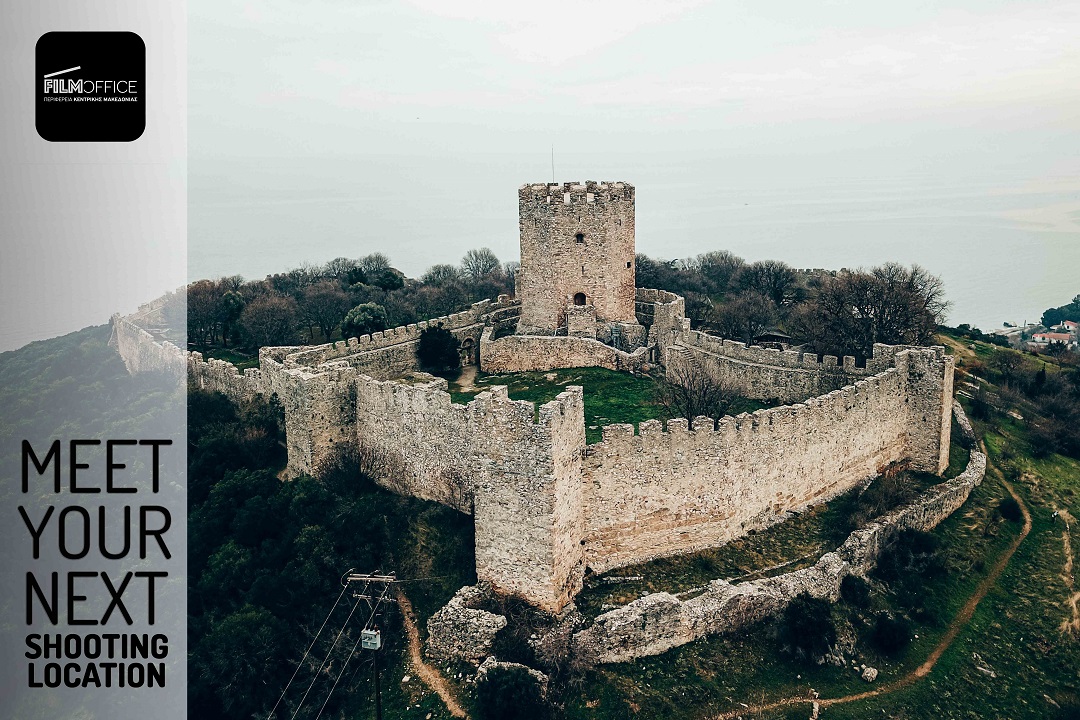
[(1018, 656)]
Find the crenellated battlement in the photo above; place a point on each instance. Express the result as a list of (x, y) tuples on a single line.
[(656, 297), (577, 249), (695, 485), (545, 505), (794, 359), (481, 313), (575, 193), (141, 351), (676, 432)]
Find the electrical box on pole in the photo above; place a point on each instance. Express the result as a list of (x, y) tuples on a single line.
[(370, 639)]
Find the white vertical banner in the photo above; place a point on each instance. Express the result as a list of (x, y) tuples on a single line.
[(93, 223)]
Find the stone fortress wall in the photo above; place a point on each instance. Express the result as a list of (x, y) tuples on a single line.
[(142, 350), (664, 492), (511, 465), (316, 385), (529, 353), (658, 622), (545, 505), (547, 508)]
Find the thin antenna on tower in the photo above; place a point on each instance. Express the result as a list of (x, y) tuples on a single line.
[(552, 164)]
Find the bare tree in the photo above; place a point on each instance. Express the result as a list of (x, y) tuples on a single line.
[(744, 318), (324, 304), (374, 264), (203, 299), (269, 320), (773, 279), (232, 282), (718, 267), (478, 263), (510, 268), (689, 390), (441, 275), (1011, 366), (339, 268), (889, 304)]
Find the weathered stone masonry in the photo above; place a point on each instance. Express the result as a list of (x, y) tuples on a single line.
[(660, 621), (547, 507), (577, 240), (139, 349), (662, 492)]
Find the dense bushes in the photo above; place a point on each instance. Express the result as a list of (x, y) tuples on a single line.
[(837, 313), (855, 591), (891, 634), (364, 319), (275, 310), (511, 693), (894, 487), (1010, 509), (437, 349), (911, 554), (264, 556), (807, 625)]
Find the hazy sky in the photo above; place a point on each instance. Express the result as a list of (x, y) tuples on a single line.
[(431, 75), (875, 130)]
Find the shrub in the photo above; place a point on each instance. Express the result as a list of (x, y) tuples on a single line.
[(437, 349), (855, 591), (1010, 509), (890, 490), (807, 625), (981, 409), (269, 320), (912, 553), (364, 319), (891, 635), (511, 693)]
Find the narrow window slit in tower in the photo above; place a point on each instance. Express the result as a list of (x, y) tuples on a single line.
[(580, 237)]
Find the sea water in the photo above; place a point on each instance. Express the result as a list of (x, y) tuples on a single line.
[(1006, 243)]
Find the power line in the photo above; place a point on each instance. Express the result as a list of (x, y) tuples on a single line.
[(317, 672), (367, 632), (386, 588), (306, 652)]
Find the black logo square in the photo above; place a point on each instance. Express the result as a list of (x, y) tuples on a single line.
[(91, 86)]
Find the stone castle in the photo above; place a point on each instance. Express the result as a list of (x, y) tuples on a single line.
[(547, 507)]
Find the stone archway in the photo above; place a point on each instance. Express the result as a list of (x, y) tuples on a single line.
[(467, 351), (579, 298)]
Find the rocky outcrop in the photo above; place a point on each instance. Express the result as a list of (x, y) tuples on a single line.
[(460, 631)]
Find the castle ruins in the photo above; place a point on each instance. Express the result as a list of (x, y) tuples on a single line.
[(547, 507)]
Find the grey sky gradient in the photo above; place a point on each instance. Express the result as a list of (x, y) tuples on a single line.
[(324, 128), (496, 76), (89, 229)]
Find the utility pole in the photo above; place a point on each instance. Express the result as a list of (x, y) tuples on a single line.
[(374, 589), (378, 691)]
